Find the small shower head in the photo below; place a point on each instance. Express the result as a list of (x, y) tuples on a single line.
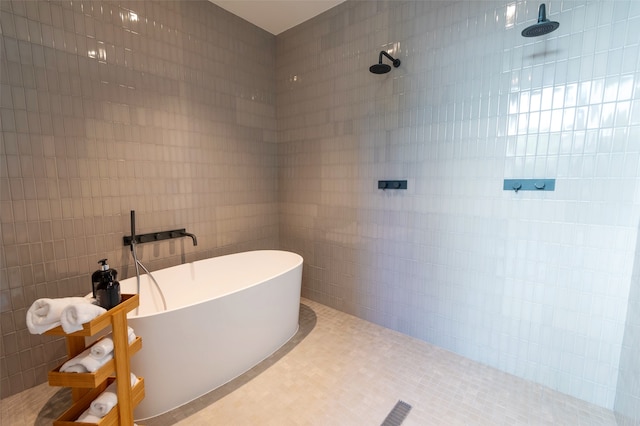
[(542, 27), (381, 68)]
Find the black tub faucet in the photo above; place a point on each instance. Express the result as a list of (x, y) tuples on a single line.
[(157, 236), (193, 237)]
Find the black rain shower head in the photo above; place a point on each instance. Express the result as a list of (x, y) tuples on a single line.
[(381, 68), (544, 26)]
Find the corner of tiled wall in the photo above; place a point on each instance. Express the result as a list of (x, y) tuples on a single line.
[(627, 403)]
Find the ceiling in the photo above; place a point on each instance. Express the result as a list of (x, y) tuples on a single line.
[(276, 16)]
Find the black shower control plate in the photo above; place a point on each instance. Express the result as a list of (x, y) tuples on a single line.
[(392, 184), (154, 236), (529, 185)]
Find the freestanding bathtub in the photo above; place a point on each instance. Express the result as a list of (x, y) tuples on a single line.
[(224, 315)]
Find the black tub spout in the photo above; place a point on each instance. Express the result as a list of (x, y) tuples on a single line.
[(193, 237)]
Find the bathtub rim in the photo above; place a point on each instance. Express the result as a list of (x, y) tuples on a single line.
[(299, 261)]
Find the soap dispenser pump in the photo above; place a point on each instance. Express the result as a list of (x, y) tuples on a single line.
[(106, 289)]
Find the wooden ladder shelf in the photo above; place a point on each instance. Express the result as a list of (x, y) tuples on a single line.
[(87, 386)]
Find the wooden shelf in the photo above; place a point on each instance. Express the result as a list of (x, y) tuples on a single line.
[(85, 387), (129, 303), (68, 418), (89, 380)]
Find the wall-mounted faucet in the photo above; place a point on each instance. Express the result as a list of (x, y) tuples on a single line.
[(159, 236), (183, 233)]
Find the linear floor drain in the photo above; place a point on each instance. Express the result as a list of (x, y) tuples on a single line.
[(397, 415)]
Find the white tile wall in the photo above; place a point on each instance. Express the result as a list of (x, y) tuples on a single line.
[(536, 284)]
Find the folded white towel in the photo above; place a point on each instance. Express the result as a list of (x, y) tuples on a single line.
[(105, 345), (85, 362), (44, 314), (87, 417), (101, 406), (73, 316)]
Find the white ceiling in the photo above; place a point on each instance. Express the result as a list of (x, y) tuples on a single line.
[(276, 16)]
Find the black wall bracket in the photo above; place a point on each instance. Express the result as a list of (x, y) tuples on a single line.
[(155, 236), (392, 184)]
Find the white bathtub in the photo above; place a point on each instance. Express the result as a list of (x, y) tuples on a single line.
[(224, 315)]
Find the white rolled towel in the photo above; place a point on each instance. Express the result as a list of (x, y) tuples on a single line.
[(77, 368), (102, 348), (134, 380), (101, 406), (105, 345), (87, 417), (85, 362), (74, 315), (91, 364), (45, 314)]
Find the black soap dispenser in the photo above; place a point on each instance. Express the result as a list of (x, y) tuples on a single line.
[(106, 289)]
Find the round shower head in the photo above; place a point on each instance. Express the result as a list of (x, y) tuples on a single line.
[(380, 68), (542, 27)]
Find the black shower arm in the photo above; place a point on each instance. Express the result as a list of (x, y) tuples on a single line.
[(382, 52)]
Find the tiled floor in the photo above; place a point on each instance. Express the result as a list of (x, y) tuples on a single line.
[(345, 371)]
